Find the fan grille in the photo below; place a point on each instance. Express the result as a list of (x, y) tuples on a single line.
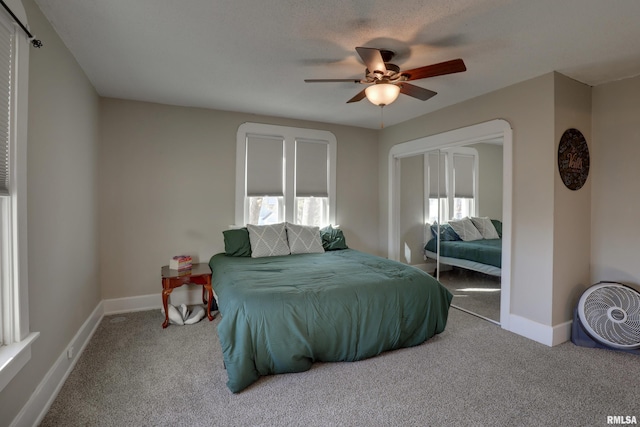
[(611, 315)]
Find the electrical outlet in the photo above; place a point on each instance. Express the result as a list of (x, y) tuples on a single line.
[(70, 353)]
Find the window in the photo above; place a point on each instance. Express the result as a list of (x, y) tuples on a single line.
[(464, 173), (451, 183), (7, 55), (15, 338), (312, 182), (436, 175), (265, 183), (285, 174)]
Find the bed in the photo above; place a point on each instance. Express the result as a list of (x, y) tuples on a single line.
[(479, 249), (281, 314), (484, 256)]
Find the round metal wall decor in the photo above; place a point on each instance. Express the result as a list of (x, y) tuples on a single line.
[(573, 159)]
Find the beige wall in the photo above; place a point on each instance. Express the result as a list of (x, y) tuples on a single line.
[(615, 175), (529, 108), (167, 186), (572, 209), (552, 225), (64, 285), (489, 180), (412, 210)]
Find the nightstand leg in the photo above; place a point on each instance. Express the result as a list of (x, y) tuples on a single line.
[(210, 297), (165, 299), (210, 293)]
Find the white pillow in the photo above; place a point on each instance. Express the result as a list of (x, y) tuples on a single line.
[(268, 240), (485, 227), (465, 229), (304, 239)]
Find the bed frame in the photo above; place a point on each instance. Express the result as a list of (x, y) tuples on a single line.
[(463, 263)]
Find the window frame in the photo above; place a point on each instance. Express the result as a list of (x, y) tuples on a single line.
[(15, 347), (289, 135)]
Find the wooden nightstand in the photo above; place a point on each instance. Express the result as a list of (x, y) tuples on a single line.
[(200, 274)]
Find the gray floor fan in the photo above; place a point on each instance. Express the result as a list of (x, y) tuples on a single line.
[(608, 316)]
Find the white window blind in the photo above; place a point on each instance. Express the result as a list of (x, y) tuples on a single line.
[(6, 65), (311, 169), (463, 174), (265, 162), (437, 175)]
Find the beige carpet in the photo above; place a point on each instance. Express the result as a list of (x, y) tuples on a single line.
[(134, 373)]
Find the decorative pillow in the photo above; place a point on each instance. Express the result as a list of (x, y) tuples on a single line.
[(268, 240), (304, 239), (333, 239), (465, 229), (498, 226), (446, 232), (485, 227), (236, 242)]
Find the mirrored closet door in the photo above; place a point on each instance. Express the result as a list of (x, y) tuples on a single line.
[(441, 189)]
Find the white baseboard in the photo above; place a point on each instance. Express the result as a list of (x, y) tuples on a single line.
[(40, 401), (189, 295), (562, 332), (544, 334)]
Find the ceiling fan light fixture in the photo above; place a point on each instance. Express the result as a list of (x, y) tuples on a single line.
[(382, 94)]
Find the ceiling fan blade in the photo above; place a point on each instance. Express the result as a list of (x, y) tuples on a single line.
[(331, 80), (372, 59), (416, 91), (448, 67), (359, 97)]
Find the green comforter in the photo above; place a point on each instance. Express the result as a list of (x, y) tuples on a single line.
[(281, 314), (483, 251)]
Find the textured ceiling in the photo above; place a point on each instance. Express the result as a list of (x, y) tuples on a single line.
[(252, 56)]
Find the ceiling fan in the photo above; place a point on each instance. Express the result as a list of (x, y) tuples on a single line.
[(386, 81)]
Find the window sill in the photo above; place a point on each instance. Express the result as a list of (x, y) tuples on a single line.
[(13, 358)]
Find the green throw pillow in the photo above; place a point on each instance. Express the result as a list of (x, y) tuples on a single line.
[(236, 242), (498, 226), (447, 233), (332, 239)]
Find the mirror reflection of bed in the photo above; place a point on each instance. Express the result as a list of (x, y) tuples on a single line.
[(449, 184)]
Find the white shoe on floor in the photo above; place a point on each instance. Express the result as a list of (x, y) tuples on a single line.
[(196, 315), (184, 312), (174, 315)]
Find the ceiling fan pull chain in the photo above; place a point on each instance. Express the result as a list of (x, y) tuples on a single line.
[(381, 117)]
